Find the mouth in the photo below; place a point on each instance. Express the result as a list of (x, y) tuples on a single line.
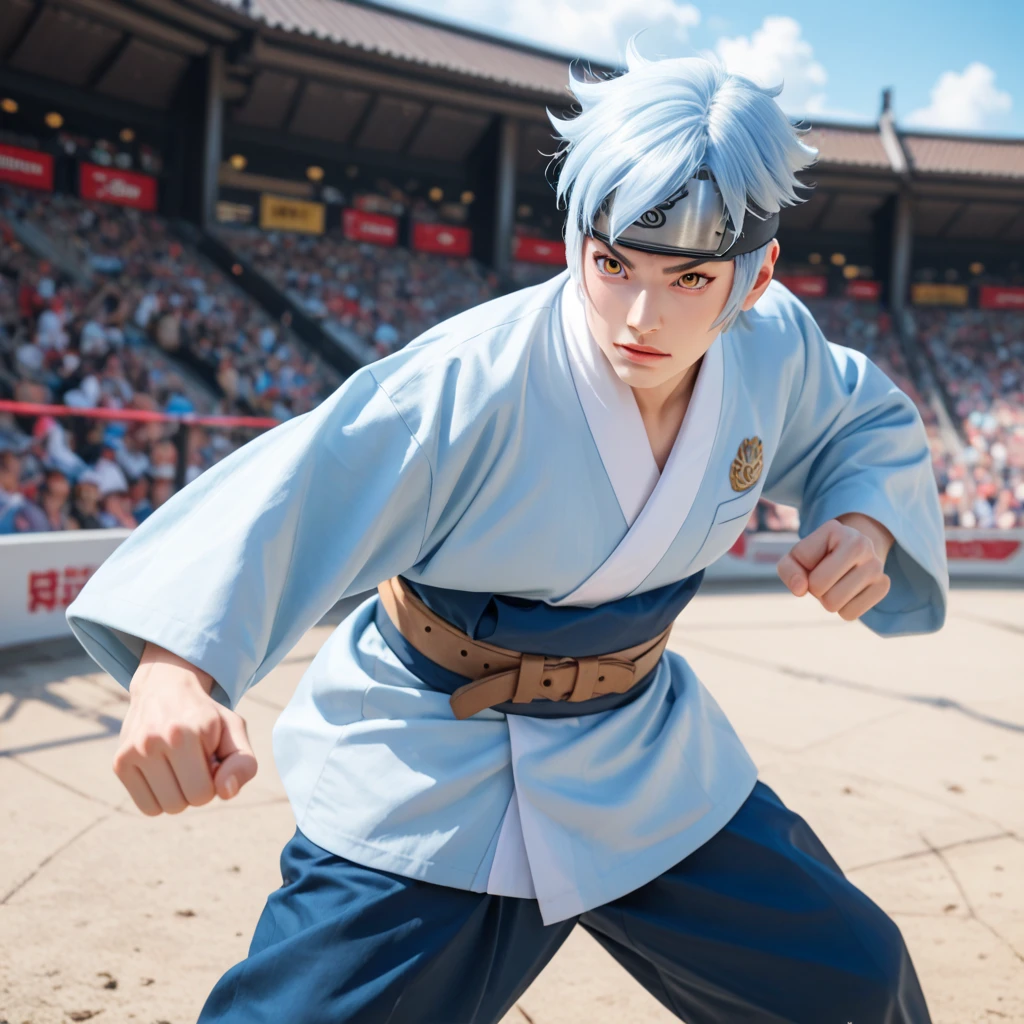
[(643, 353)]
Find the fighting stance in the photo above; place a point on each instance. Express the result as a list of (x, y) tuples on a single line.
[(498, 745)]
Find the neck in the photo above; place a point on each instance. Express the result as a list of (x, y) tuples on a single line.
[(664, 399)]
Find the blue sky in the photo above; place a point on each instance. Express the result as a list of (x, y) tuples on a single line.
[(956, 67)]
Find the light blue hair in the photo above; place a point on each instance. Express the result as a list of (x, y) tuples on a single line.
[(644, 133)]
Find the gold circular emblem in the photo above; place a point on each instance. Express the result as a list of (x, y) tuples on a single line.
[(746, 467)]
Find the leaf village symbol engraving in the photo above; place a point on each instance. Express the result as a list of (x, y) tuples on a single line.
[(746, 467)]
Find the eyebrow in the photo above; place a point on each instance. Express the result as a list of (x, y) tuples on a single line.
[(666, 270)]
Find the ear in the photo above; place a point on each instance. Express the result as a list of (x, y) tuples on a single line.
[(764, 275)]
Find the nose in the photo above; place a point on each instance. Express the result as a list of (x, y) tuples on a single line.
[(643, 317)]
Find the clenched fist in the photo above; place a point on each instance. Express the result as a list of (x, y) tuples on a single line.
[(841, 564), (178, 745)]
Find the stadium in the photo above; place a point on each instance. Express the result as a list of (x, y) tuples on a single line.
[(213, 212)]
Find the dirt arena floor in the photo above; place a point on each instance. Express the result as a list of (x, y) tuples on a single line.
[(906, 756)]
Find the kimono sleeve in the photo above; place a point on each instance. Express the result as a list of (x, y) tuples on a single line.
[(853, 442), (234, 568)]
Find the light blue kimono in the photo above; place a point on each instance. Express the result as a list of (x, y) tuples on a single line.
[(499, 453)]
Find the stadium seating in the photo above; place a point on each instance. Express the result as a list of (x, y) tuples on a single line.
[(133, 318), (978, 356), (374, 299), (148, 323), (181, 302)]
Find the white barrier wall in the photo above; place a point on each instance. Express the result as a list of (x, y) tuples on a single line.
[(40, 573)]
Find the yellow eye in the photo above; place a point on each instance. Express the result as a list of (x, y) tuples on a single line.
[(694, 279), (609, 266)]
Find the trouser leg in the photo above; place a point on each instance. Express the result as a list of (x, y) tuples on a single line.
[(340, 942), (760, 925)]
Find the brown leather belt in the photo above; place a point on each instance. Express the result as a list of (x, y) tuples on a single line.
[(501, 675)]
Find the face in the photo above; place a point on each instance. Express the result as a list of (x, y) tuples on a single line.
[(57, 488), (162, 490), (88, 494), (651, 315)]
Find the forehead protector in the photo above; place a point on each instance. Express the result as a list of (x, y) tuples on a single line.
[(693, 222)]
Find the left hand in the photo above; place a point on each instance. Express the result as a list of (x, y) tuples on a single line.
[(841, 564)]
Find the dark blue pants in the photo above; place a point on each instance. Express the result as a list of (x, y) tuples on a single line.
[(759, 925)]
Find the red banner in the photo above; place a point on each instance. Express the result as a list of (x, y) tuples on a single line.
[(538, 250), (805, 286), (124, 188), (985, 550), (26, 167), (868, 290), (996, 297), (443, 238), (369, 227)]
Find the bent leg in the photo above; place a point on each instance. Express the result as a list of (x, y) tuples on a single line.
[(760, 925), (340, 942)]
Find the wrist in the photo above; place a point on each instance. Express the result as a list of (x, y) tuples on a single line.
[(881, 539), (160, 665)]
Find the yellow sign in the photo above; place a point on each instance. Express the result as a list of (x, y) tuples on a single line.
[(282, 214), (926, 294)]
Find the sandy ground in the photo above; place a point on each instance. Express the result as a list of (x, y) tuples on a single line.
[(907, 757)]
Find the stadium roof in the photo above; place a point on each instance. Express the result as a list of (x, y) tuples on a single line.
[(413, 39), (958, 155), (848, 145), (356, 73)]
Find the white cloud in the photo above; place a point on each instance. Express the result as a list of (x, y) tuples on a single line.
[(774, 53), (597, 29), (968, 100)]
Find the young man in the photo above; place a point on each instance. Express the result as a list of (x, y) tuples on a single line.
[(498, 746)]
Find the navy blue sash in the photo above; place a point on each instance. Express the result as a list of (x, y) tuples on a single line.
[(535, 627)]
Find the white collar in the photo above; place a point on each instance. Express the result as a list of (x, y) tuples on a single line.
[(653, 505)]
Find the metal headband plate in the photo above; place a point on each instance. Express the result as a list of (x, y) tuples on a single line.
[(692, 222)]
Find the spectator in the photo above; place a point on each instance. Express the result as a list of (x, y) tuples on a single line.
[(111, 477), (139, 496), (11, 498), (85, 507), (161, 490), (50, 512), (115, 509)]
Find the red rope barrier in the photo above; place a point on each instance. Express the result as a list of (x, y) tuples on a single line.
[(138, 415)]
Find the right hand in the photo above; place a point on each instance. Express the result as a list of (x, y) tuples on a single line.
[(179, 747)]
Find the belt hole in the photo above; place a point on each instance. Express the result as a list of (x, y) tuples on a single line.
[(547, 682), (426, 629), (486, 665), (600, 679), (464, 653)]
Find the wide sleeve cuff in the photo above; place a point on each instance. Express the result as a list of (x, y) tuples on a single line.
[(115, 634), (916, 565)]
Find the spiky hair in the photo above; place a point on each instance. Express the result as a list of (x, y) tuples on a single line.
[(644, 133)]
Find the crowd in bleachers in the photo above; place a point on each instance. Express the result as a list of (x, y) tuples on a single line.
[(979, 358), (374, 298), (136, 319), (183, 304), (146, 323)]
